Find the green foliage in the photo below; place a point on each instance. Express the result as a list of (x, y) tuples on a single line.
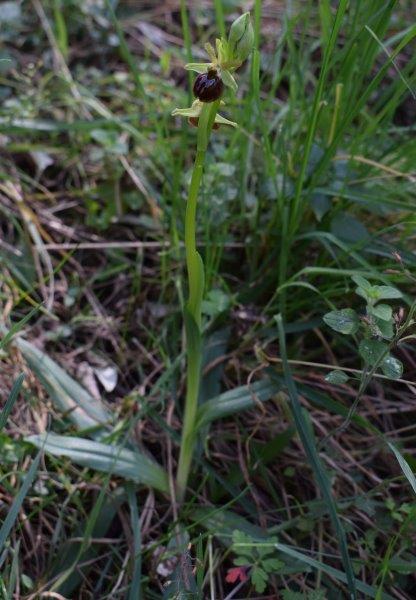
[(305, 431), (17, 503), (6, 410), (111, 459), (373, 351), (337, 377), (392, 367), (257, 557), (311, 185), (378, 325), (228, 56), (345, 321), (313, 595), (69, 396)]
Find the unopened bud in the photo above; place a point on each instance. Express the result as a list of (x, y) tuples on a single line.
[(241, 38)]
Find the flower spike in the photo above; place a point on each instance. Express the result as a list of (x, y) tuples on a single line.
[(230, 54)]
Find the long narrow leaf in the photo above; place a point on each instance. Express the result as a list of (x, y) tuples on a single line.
[(135, 586), (90, 525), (313, 457), (323, 401), (18, 501), (222, 523), (237, 400), (116, 460), (404, 465), (11, 400), (314, 117), (68, 395), (335, 573), (64, 572), (9, 333)]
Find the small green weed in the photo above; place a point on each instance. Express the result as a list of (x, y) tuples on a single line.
[(255, 558), (377, 331)]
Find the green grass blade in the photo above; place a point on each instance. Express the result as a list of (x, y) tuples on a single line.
[(14, 573), (219, 15), (132, 465), (61, 32), (9, 334), (237, 400), (404, 465), (11, 400), (364, 97), (87, 534), (222, 523), (320, 474), (397, 68), (18, 501), (186, 32), (342, 7), (125, 50), (368, 590), (135, 586), (95, 526)]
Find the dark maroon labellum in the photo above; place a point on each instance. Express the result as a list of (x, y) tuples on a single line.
[(208, 87)]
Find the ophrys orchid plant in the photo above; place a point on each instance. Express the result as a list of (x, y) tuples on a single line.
[(208, 88)]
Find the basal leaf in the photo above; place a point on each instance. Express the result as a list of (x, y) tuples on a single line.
[(116, 460), (67, 394), (236, 400)]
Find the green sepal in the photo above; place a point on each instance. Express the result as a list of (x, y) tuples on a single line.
[(192, 111), (229, 80), (211, 52), (223, 121), (198, 67)]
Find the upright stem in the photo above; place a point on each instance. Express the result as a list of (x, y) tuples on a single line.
[(195, 291), (192, 313)]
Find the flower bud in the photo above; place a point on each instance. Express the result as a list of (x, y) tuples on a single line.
[(241, 38)]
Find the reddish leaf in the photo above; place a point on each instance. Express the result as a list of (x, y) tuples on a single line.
[(236, 573)]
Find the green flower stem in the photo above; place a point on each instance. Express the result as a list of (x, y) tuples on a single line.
[(192, 255), (192, 313)]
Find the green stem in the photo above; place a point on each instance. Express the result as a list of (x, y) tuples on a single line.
[(192, 313), (195, 291)]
